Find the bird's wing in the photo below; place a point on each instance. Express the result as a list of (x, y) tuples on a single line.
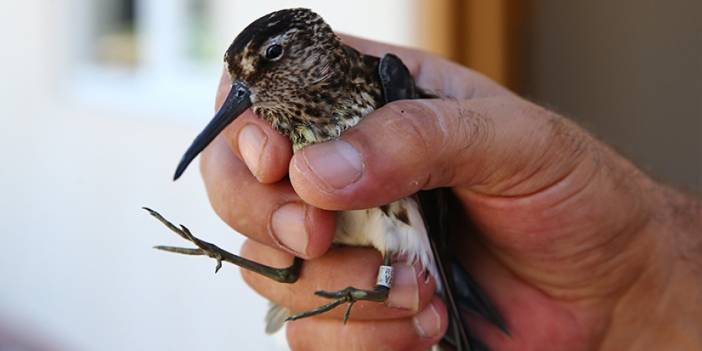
[(460, 288), (398, 84), (396, 80), (435, 212)]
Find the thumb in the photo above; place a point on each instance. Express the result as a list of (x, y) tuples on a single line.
[(500, 146)]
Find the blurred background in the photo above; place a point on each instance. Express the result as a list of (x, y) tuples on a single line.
[(99, 97)]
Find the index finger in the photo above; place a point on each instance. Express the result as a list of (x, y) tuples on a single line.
[(265, 152)]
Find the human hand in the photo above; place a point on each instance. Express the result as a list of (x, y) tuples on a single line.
[(576, 242)]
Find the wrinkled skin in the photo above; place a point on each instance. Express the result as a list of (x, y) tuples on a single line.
[(580, 250)]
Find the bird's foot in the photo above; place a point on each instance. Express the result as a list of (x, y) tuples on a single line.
[(283, 275), (348, 295)]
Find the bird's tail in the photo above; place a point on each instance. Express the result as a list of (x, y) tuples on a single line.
[(275, 317), (471, 297)]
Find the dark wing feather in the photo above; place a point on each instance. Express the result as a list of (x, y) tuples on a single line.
[(396, 80), (435, 213), (470, 296), (398, 84), (461, 289)]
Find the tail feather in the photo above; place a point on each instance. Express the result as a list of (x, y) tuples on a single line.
[(275, 317), (470, 296)]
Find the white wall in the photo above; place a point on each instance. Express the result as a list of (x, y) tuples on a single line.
[(79, 159)]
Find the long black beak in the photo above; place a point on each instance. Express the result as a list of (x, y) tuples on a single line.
[(237, 101)]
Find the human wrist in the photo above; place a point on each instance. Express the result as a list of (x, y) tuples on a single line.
[(661, 309)]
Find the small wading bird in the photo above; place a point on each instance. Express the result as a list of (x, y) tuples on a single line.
[(295, 73)]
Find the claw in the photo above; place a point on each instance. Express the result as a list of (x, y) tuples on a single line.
[(347, 314), (219, 265), (181, 250)]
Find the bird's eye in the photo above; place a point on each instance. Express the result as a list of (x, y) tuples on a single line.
[(274, 51)]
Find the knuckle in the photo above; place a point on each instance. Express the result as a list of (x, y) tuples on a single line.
[(418, 126), (471, 128)]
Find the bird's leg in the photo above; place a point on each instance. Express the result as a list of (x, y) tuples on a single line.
[(282, 275), (351, 295)]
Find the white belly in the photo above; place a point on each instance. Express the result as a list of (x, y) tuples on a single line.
[(396, 229)]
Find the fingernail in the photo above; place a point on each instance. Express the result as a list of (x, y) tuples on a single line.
[(288, 226), (337, 163), (428, 322), (251, 143), (404, 293)]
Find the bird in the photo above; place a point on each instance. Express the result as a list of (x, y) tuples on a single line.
[(294, 72)]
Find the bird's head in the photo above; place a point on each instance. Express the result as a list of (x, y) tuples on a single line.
[(283, 53), (287, 65)]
